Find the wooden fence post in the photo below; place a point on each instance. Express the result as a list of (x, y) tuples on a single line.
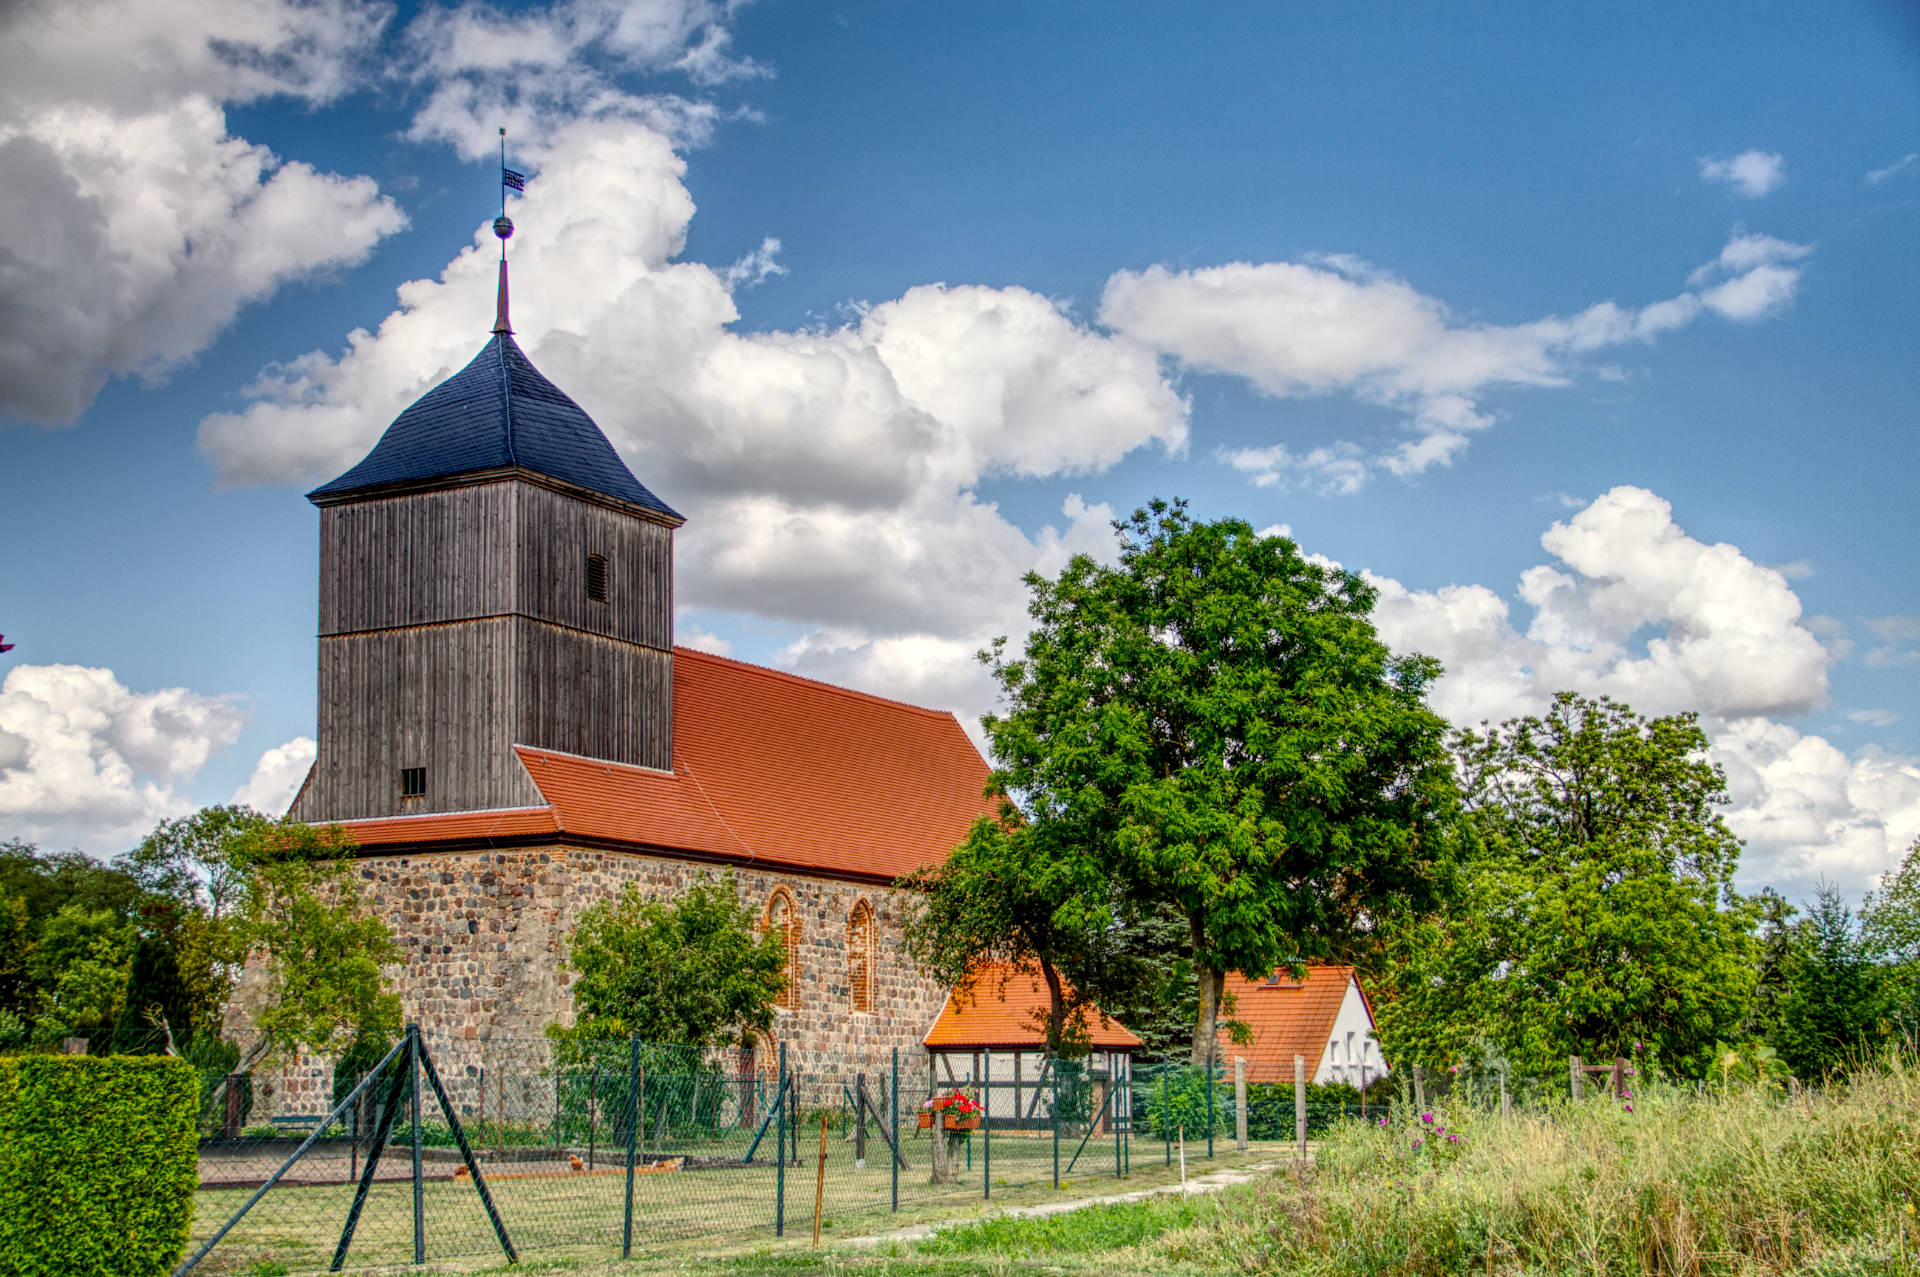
[(1618, 1078), (1300, 1104), (1420, 1087), (1576, 1077), (1240, 1103), (1506, 1100)]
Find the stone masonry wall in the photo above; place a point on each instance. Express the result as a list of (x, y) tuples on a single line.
[(484, 933)]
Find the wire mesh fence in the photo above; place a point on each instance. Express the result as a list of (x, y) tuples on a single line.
[(463, 1148)]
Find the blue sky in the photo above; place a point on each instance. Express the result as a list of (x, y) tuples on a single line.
[(1589, 334)]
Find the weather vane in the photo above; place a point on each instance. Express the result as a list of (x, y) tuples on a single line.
[(503, 227)]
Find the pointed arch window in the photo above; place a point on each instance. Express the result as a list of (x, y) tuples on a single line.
[(784, 920), (860, 956)]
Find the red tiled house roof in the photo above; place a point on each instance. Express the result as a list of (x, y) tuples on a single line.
[(1287, 1018), (1002, 1007), (768, 768)]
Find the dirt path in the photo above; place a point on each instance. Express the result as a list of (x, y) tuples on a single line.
[(1211, 1182)]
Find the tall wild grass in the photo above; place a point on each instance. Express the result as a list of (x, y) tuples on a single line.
[(1745, 1180)]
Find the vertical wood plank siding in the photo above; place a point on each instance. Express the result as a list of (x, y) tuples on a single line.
[(455, 624)]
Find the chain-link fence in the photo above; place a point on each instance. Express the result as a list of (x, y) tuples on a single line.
[(623, 1147)]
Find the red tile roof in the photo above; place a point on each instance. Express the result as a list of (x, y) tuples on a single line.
[(767, 768), (1287, 1019), (1004, 1007)]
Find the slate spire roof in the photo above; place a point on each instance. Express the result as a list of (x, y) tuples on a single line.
[(497, 412)]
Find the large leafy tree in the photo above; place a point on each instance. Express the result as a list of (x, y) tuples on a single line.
[(1890, 925), (1598, 909), (1214, 724), (692, 972)]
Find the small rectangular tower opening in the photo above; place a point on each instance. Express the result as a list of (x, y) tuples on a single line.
[(413, 782), (597, 578)]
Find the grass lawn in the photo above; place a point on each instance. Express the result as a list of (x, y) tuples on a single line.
[(724, 1213)]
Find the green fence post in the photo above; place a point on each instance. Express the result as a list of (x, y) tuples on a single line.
[(986, 1126), (1209, 1103), (419, 1185), (1113, 1089), (633, 1138), (1053, 1071), (893, 1125), (780, 1161)]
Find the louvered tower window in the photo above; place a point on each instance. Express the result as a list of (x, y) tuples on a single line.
[(413, 782), (597, 578)]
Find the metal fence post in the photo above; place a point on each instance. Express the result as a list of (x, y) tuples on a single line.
[(1209, 1103), (1053, 1118), (893, 1125), (1113, 1119), (633, 1138), (419, 1184), (780, 1161), (986, 1126)]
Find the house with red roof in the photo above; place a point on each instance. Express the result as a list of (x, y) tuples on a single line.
[(991, 1036), (509, 733), (1324, 1018)]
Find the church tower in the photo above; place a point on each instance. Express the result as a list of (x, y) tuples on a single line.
[(491, 575)]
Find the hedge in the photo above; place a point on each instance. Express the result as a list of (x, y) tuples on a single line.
[(97, 1164)]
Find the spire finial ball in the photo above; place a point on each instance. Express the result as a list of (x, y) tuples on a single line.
[(503, 227)]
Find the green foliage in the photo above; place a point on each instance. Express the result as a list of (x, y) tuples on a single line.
[(97, 1165), (1830, 1014), (1009, 894), (1598, 909), (692, 972), (80, 967), (1214, 726), (300, 906), (156, 997), (1890, 926)]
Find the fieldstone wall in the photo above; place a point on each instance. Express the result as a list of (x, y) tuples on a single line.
[(484, 933)]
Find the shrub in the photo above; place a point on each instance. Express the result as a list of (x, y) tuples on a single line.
[(97, 1164)]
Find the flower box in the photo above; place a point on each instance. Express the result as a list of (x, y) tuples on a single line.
[(926, 1121), (970, 1123)]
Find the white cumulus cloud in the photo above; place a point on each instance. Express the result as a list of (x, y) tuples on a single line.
[(87, 762), (277, 777), (1635, 608), (1750, 173), (138, 227)]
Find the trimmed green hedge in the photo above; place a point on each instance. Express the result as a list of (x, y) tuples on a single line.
[(97, 1164)]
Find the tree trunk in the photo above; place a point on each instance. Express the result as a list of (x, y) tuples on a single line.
[(1213, 984), (1057, 1004)]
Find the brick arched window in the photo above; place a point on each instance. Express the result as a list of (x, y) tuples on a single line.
[(784, 920), (860, 956)]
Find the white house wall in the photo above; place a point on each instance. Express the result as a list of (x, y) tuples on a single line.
[(1352, 1054)]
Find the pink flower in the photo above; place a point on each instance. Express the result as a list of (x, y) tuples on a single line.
[(1427, 1118), (1629, 1108), (1416, 1143), (1453, 1139)]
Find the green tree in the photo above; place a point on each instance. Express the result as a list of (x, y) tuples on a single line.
[(1890, 927), (1012, 894), (79, 966), (1831, 1010), (1214, 722), (1597, 909), (157, 1015), (690, 973), (198, 860), (300, 913)]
